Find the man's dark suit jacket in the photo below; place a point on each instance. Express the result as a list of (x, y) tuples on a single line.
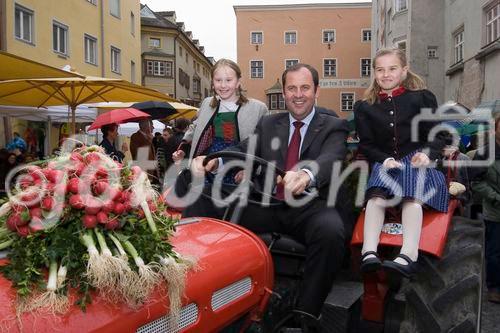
[(324, 143)]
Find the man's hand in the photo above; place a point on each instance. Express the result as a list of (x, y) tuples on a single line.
[(239, 177), (420, 160), (295, 181), (197, 165)]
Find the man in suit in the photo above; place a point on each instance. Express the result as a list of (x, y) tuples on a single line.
[(310, 137)]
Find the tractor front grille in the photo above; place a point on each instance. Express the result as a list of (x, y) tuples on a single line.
[(231, 293), (189, 315)]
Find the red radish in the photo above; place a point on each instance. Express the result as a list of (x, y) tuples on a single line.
[(35, 212), (30, 199), (92, 157), (23, 231), (112, 224), (76, 157), (108, 206), (73, 184), (152, 206), (36, 224), (114, 193), (92, 210), (100, 187), (13, 221), (47, 203), (79, 168), (102, 217), (102, 173), (89, 221), (55, 176), (76, 201), (119, 208)]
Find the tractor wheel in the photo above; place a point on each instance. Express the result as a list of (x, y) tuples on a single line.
[(446, 294)]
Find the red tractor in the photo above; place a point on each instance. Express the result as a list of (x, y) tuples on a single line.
[(237, 278)]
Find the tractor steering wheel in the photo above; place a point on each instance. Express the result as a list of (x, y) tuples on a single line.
[(258, 163)]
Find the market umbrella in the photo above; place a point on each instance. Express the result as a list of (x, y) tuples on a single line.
[(118, 116), (73, 92), (15, 67), (156, 109)]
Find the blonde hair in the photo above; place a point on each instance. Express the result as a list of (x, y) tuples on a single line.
[(234, 66), (411, 82)]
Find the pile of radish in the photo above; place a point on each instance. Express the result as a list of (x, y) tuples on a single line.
[(94, 224)]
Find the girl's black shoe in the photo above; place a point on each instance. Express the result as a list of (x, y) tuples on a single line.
[(369, 265)]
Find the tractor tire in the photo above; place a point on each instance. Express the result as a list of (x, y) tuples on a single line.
[(445, 296)]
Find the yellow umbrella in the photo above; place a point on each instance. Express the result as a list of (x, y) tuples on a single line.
[(14, 67), (73, 92)]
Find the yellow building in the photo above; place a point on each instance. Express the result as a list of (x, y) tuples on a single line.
[(173, 62), (93, 37)]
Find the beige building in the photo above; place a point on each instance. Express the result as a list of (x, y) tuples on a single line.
[(334, 38), (172, 61), (92, 37)]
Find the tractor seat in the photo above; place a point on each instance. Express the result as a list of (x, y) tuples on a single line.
[(283, 244)]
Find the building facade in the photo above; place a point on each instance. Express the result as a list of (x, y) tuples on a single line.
[(172, 61), (334, 38), (453, 44), (92, 37)]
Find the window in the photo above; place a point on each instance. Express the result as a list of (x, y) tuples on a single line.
[(23, 24), (366, 35), (256, 37), (329, 67), (90, 46), (154, 42), (132, 24), (187, 57), (493, 23), (159, 68), (184, 79), (328, 36), (196, 85), (401, 5), (402, 46), (114, 8), (290, 62), (276, 102), (256, 69), (290, 37), (432, 52), (366, 67), (115, 60), (94, 2), (458, 48), (180, 51), (132, 71), (59, 38), (347, 101)]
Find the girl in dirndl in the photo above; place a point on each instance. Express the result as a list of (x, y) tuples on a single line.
[(399, 164)]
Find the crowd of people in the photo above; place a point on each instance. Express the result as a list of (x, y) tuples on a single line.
[(310, 140)]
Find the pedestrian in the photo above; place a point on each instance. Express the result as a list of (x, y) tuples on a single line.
[(316, 140), (143, 139), (486, 186), (399, 164), (17, 143), (109, 135)]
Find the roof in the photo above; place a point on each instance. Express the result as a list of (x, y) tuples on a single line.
[(275, 89), (303, 6), (155, 19)]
